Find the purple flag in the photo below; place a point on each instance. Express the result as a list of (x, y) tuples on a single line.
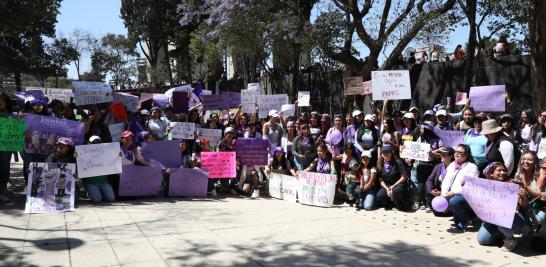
[(198, 90), (140, 181), (185, 182), (165, 152), (251, 152), (42, 133)]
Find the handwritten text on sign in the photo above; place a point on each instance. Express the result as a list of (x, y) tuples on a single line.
[(283, 186), (130, 101), (352, 86), (115, 131), (87, 93), (316, 189), (270, 102), (219, 164), (391, 85), (488, 98), (63, 95), (415, 150), (304, 98), (182, 130), (213, 135), (251, 151), (249, 99), (12, 134), (493, 201), (99, 159)]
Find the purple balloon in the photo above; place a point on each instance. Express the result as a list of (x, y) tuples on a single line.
[(335, 137), (439, 204)]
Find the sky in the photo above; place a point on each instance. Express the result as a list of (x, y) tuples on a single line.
[(103, 16)]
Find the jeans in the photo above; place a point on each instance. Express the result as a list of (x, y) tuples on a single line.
[(462, 212), (367, 199), (489, 233), (5, 161), (99, 192), (416, 187), (351, 187), (301, 164), (399, 194)]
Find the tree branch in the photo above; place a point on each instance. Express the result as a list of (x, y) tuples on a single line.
[(384, 17), (398, 20)]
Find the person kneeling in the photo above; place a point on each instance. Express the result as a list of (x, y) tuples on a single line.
[(98, 187)]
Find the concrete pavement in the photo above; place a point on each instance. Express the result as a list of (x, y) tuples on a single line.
[(236, 231)]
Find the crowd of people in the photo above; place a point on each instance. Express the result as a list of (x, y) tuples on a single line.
[(361, 150)]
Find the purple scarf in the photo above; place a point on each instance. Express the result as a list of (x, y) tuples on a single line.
[(323, 166), (387, 166)]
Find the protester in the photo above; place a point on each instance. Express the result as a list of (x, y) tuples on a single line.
[(368, 178), (499, 147), (272, 130), (367, 138), (5, 156), (393, 178), (468, 120), (477, 142), (323, 163), (98, 187), (303, 149), (279, 164), (433, 185), (158, 125)]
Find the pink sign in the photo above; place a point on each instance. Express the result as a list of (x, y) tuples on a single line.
[(460, 100), (367, 88), (493, 201), (219, 164)]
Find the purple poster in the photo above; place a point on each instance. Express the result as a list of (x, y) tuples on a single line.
[(251, 152), (42, 133), (232, 99), (180, 102), (225, 100), (450, 138), (185, 182), (160, 100), (165, 152), (140, 181), (488, 98)]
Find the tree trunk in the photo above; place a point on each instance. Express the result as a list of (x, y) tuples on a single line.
[(168, 63), (292, 93), (469, 66), (537, 34), (18, 81)]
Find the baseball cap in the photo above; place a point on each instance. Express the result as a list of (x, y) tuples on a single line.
[(65, 140), (366, 153), (94, 138), (356, 112), (441, 112), (126, 134), (273, 113), (368, 117)]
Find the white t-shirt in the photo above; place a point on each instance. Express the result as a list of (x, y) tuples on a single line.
[(454, 178)]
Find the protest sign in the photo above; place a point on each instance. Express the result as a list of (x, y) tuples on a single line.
[(415, 150), (391, 85), (450, 138), (63, 95), (42, 133), (488, 98), (493, 201), (254, 87), (33, 88), (206, 92), (51, 187), (182, 130), (130, 101), (140, 181), (166, 152), (98, 159), (145, 97), (283, 186), (219, 164), (541, 150), (180, 102), (160, 100), (249, 99), (115, 131), (213, 102), (316, 189), (288, 110), (187, 182), (88, 93), (367, 88), (12, 134), (352, 86), (232, 99), (251, 151), (213, 135), (460, 99), (270, 102), (118, 111), (30, 95), (304, 98)]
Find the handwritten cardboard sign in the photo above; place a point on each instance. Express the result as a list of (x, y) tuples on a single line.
[(271, 102), (140, 181), (98, 159), (488, 98), (316, 189), (213, 135), (304, 98), (352, 86), (367, 88), (219, 164), (12, 134), (251, 151), (254, 87), (115, 131), (51, 187), (288, 110), (182, 130), (415, 150), (283, 187), (130, 101), (391, 85), (63, 95), (88, 93), (450, 138), (186, 182), (249, 99), (493, 201)]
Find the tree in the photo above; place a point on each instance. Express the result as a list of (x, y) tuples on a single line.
[(83, 43), (62, 53), (537, 43), (23, 24), (119, 53)]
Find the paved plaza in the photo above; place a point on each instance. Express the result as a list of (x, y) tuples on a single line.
[(236, 231)]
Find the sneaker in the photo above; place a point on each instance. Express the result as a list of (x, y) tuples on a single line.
[(213, 192), (460, 226), (255, 194), (415, 206), (423, 207), (510, 245), (233, 191)]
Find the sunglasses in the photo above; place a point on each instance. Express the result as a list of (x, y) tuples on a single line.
[(459, 152)]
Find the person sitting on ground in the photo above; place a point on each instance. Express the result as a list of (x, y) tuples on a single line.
[(368, 176), (491, 234), (452, 186), (393, 178), (278, 163), (433, 185)]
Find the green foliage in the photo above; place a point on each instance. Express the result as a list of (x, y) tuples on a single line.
[(114, 56)]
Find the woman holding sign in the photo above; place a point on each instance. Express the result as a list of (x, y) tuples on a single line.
[(491, 234), (452, 186), (323, 163)]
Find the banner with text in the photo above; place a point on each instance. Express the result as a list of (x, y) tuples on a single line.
[(251, 151), (249, 99), (488, 98), (415, 150), (43, 132), (283, 187), (391, 85), (316, 189), (88, 93), (219, 164), (98, 159)]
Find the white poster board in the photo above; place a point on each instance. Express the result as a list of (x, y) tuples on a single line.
[(182, 130), (316, 189), (283, 187), (213, 135), (270, 102), (391, 85), (304, 98), (88, 93), (130, 101), (288, 110), (415, 150), (63, 95), (98, 159), (115, 131), (249, 99)]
